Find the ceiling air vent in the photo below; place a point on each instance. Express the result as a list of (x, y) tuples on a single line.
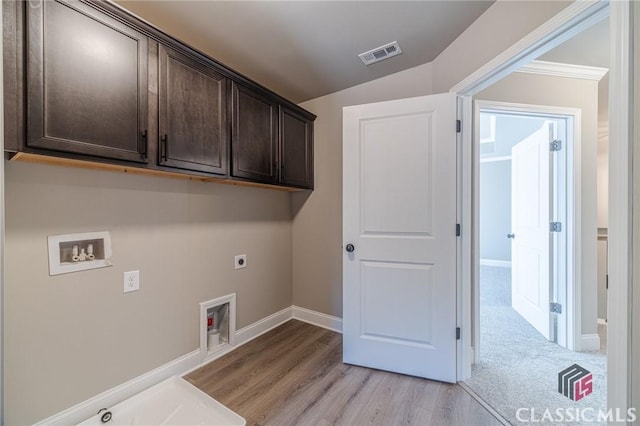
[(380, 53)]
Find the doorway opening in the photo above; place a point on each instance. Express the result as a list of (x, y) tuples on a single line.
[(537, 299), (526, 213)]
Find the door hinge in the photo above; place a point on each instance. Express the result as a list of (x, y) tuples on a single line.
[(457, 333), (555, 145), (458, 230), (458, 126), (556, 308), (555, 227)]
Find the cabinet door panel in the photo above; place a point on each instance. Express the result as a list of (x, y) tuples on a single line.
[(254, 136), (193, 114), (87, 82), (296, 150)]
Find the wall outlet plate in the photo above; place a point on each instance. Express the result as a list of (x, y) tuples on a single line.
[(131, 281), (241, 261)]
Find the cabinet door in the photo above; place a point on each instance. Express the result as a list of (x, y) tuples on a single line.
[(296, 149), (193, 114), (254, 136), (86, 82)]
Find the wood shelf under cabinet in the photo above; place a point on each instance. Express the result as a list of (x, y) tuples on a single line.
[(69, 162)]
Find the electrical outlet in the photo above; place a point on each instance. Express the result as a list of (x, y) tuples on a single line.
[(241, 261), (131, 281)]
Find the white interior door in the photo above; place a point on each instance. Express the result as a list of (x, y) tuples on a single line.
[(399, 217), (530, 273)]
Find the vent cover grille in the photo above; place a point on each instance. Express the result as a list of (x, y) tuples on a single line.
[(380, 53)]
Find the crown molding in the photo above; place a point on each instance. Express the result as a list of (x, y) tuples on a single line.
[(564, 70)]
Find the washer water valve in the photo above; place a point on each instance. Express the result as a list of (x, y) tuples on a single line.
[(82, 256)]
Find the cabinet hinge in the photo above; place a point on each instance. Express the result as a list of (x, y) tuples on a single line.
[(555, 145), (555, 227), (458, 230), (458, 126), (457, 333), (555, 308)]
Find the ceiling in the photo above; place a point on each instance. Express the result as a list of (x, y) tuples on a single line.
[(306, 49)]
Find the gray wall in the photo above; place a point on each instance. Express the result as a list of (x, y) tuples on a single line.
[(495, 210), (495, 184), (72, 336)]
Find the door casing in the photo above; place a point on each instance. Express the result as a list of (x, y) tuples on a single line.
[(570, 330), (570, 21)]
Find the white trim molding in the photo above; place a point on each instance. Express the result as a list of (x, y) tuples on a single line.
[(495, 262), (570, 251), (589, 343), (113, 396), (258, 328), (495, 159), (564, 70), (621, 229), (318, 319), (187, 363), (572, 20)]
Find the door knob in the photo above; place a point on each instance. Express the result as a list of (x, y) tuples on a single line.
[(512, 236), (350, 248)]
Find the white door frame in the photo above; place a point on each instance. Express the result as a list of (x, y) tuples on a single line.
[(2, 268), (573, 250), (570, 21)]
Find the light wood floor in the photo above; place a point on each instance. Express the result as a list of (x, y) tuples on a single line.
[(294, 375)]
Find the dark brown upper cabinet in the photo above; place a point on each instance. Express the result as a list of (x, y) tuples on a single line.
[(193, 114), (89, 83), (296, 149), (254, 137), (86, 82)]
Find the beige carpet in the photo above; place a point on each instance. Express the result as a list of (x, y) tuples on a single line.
[(519, 368)]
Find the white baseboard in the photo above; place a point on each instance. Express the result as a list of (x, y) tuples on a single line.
[(111, 397), (495, 262), (185, 364), (589, 343), (262, 326), (317, 318)]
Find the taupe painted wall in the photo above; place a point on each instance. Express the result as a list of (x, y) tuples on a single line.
[(317, 217), (572, 93), (72, 336)]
